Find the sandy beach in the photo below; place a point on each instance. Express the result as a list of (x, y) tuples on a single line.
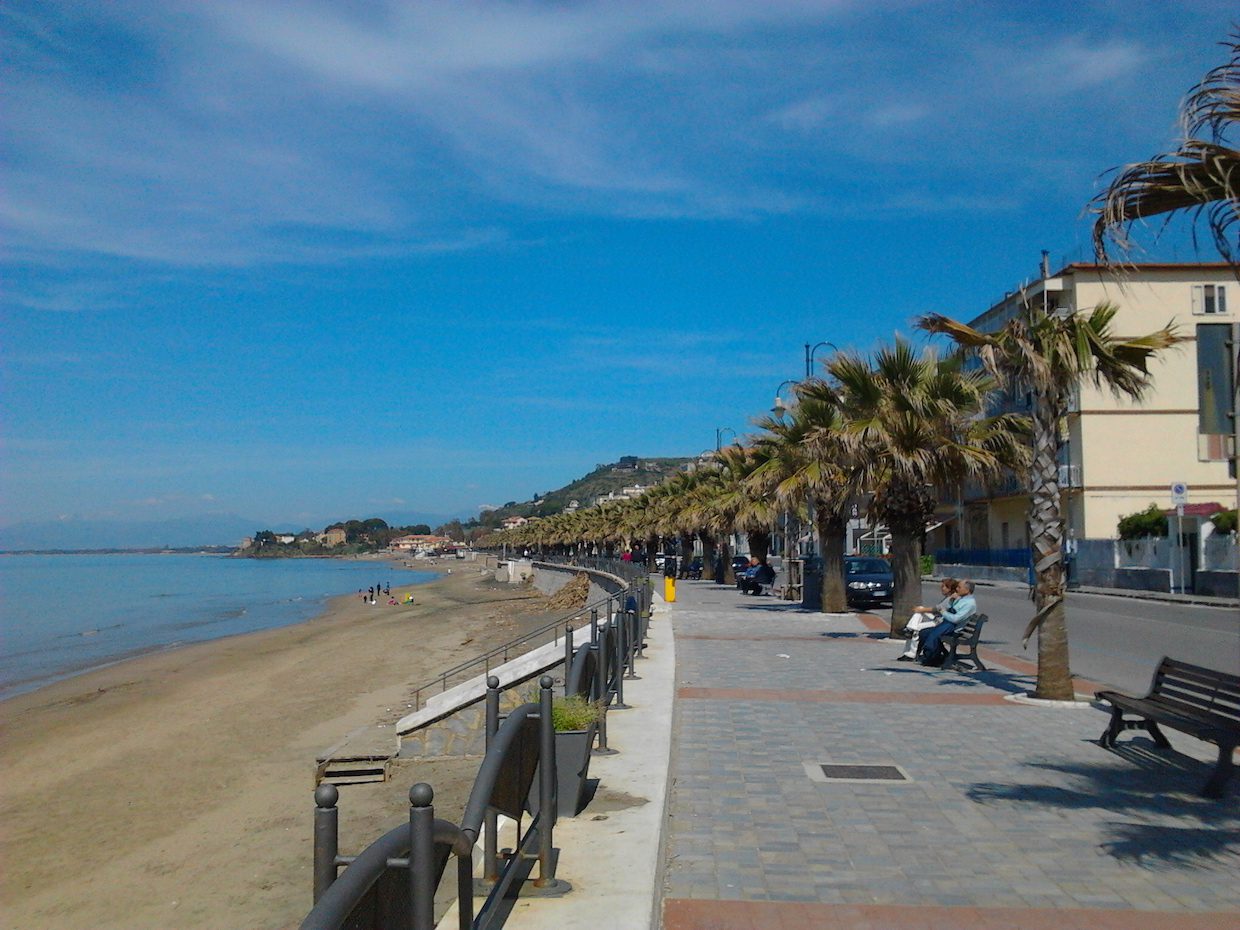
[(175, 790)]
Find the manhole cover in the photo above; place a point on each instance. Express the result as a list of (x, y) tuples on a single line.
[(880, 774)]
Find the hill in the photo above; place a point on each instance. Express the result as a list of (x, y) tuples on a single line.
[(631, 470)]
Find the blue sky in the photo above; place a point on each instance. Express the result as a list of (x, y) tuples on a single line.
[(309, 261)]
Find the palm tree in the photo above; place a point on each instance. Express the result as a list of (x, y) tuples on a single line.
[(1047, 353), (804, 469), (740, 508), (914, 423), (1201, 177)]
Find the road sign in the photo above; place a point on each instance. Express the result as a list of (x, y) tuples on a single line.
[(1179, 493)]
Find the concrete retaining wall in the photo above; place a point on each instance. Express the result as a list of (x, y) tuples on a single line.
[(1217, 584), (1143, 579), (453, 723)]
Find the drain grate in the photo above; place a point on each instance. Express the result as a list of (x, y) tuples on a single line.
[(877, 774)]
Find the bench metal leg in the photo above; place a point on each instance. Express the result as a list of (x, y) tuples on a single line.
[(1159, 740), (1112, 731), (1216, 786), (977, 660)]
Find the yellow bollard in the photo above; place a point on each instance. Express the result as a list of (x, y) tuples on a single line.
[(669, 589)]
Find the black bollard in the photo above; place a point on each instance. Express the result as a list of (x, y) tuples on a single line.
[(421, 857), (568, 654), (546, 784), (326, 837), (490, 820)]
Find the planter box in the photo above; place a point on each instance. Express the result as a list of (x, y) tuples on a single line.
[(572, 765)]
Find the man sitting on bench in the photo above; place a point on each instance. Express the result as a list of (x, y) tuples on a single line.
[(933, 652), (757, 575)]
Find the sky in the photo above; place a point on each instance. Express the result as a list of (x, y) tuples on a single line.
[(311, 261)]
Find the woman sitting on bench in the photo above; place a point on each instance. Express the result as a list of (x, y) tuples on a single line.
[(933, 652), (926, 618)]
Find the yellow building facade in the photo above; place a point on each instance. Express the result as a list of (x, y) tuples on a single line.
[(1122, 455)]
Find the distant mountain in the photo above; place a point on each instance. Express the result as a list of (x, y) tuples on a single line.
[(630, 471), (180, 532)]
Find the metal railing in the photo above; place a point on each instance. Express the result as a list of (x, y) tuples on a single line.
[(505, 651), (392, 883)]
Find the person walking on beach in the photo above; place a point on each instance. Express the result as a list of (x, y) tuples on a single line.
[(370, 594), (387, 589)]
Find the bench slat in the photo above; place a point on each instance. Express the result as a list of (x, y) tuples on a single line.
[(1197, 673), (1209, 703)]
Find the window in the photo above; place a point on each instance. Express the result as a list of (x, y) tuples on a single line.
[(1209, 299)]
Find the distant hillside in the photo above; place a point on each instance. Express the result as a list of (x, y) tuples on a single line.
[(630, 470)]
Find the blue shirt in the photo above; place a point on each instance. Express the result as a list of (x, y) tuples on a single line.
[(961, 611)]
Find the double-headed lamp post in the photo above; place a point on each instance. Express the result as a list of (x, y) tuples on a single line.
[(779, 408), (809, 356), (719, 431)]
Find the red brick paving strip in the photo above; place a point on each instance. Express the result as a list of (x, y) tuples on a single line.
[(841, 697), (696, 914)]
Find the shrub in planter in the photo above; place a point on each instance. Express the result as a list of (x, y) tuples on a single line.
[(576, 722)]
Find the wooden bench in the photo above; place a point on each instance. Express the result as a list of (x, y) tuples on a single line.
[(1199, 701), (967, 636)]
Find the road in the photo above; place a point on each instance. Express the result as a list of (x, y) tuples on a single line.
[(1114, 640)]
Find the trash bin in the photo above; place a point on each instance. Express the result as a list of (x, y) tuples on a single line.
[(811, 584)]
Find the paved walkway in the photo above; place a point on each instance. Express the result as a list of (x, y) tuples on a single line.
[(1011, 816)]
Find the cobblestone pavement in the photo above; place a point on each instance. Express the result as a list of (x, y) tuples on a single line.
[(1011, 815)]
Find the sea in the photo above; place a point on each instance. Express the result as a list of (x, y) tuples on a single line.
[(61, 615)]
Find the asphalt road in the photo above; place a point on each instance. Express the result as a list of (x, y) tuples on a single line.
[(1114, 640)]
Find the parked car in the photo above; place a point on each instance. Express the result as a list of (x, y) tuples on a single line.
[(739, 563), (868, 581)]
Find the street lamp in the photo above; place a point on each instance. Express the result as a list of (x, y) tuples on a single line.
[(809, 356), (719, 431), (780, 407)]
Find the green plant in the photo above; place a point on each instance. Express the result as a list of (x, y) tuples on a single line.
[(927, 564), (1148, 522), (1224, 522), (574, 713)]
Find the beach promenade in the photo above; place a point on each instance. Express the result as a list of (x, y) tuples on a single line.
[(1009, 815)]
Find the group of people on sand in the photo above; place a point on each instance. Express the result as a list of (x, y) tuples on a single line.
[(928, 625), (373, 593)]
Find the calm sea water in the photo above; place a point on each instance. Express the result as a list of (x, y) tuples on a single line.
[(63, 614)]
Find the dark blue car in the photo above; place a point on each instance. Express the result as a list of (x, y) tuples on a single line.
[(868, 581)]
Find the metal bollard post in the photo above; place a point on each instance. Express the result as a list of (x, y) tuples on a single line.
[(421, 857), (568, 654), (593, 625), (546, 785), (635, 642), (326, 837), (490, 820), (622, 654)]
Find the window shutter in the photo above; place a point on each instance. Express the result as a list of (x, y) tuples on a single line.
[(1198, 308)]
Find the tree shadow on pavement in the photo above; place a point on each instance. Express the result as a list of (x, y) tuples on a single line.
[(1171, 825)]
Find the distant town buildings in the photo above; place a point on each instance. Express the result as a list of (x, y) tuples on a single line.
[(421, 543)]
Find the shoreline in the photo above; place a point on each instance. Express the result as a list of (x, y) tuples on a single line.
[(33, 685), (204, 755)]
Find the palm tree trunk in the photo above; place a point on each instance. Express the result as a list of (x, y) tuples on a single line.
[(1046, 538), (759, 545), (831, 528), (907, 531), (709, 549), (686, 554), (652, 549), (729, 576)]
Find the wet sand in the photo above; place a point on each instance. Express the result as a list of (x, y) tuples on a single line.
[(175, 790)]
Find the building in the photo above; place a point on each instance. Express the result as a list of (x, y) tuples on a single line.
[(511, 523), (1120, 456), (421, 543), (333, 536)]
